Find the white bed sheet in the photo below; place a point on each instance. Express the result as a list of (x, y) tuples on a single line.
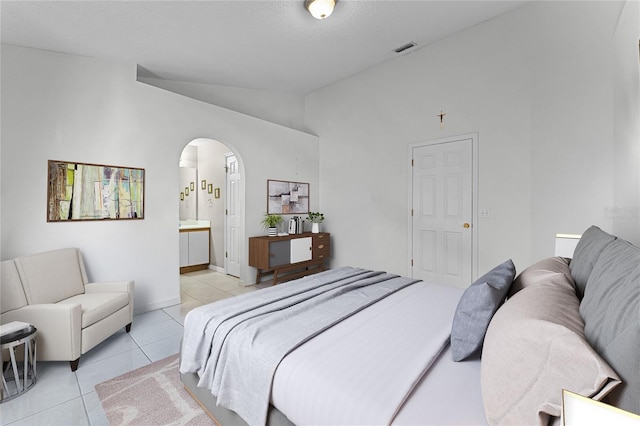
[(449, 394), (389, 346)]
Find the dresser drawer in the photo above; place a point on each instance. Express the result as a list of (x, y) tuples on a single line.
[(321, 248)]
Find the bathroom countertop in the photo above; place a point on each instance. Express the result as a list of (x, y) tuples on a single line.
[(194, 224)]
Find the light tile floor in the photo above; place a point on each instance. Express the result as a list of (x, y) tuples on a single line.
[(62, 397)]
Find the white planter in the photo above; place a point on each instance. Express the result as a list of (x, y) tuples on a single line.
[(272, 231), (315, 228)]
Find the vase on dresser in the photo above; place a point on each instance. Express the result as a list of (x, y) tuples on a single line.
[(315, 228)]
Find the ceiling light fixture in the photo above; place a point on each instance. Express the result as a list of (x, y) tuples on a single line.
[(320, 9)]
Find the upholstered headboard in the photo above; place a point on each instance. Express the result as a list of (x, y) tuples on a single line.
[(610, 307)]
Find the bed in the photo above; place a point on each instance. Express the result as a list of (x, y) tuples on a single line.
[(353, 346)]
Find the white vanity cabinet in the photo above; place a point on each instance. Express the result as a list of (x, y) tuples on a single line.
[(194, 249)]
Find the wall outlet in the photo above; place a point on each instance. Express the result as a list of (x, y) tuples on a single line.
[(484, 213)]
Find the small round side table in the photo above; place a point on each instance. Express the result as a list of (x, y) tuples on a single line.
[(20, 383)]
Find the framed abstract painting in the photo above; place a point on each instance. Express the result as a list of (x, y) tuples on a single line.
[(287, 197), (84, 191)]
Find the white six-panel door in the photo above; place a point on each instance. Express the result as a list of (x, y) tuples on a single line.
[(442, 212), (233, 217)]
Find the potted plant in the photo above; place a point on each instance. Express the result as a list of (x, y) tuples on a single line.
[(271, 222), (316, 218)]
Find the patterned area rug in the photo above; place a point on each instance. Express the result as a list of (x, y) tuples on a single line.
[(151, 395)]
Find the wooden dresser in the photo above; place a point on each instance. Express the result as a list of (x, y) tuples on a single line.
[(295, 255)]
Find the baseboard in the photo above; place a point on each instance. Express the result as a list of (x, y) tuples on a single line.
[(155, 306), (216, 268), (222, 271)]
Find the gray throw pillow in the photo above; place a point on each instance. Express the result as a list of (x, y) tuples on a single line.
[(476, 307), (586, 254), (611, 312)]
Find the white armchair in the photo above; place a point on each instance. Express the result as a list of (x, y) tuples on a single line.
[(50, 290)]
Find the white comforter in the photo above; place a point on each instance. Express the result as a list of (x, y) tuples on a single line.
[(361, 371), (235, 345)]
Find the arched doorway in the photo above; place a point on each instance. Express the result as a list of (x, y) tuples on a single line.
[(205, 177)]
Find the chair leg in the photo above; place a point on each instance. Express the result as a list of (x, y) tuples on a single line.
[(74, 364), (128, 327)]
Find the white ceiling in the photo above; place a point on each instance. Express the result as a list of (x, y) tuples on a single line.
[(266, 44)]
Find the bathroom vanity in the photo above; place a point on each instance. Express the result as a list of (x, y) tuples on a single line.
[(195, 237)]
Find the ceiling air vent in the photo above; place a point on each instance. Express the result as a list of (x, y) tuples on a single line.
[(404, 47)]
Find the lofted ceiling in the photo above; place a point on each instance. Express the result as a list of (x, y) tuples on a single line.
[(264, 44)]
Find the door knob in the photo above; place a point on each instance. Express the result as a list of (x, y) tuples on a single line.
[(466, 225)]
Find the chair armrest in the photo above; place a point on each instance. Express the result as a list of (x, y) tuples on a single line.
[(113, 286), (109, 287), (59, 329)]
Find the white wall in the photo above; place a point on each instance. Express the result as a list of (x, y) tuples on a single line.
[(537, 86), (65, 107), (625, 211), (281, 108), (575, 123), (188, 199)]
